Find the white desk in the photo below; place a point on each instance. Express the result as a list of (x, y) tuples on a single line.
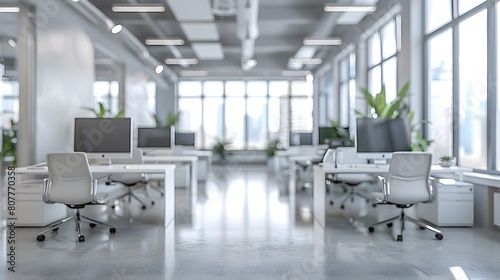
[(201, 154), (319, 190), (192, 162), (100, 171)]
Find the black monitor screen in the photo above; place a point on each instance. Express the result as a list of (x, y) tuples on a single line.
[(153, 137), (103, 135), (298, 139), (184, 139), (382, 135)]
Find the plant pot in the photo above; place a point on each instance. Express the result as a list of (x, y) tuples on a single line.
[(446, 163)]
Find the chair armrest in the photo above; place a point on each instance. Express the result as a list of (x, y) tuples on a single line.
[(385, 187), (432, 193), (45, 193)]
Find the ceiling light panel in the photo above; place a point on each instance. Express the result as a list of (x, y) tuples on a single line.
[(322, 41), (209, 51), (313, 61), (138, 8), (191, 10), (164, 42), (200, 31), (350, 8), (181, 61), (9, 9)]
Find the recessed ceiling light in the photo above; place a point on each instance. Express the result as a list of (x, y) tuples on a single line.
[(159, 69), (350, 8), (181, 61), (12, 43), (116, 29), (164, 42), (306, 60), (9, 9), (322, 42), (138, 8)]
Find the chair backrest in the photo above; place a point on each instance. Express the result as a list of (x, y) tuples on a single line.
[(132, 178), (349, 155), (408, 179), (70, 180)]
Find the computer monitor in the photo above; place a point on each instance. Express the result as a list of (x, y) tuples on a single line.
[(184, 139), (300, 139), (154, 137), (378, 138), (103, 138)]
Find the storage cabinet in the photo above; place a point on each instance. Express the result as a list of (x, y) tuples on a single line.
[(453, 205)]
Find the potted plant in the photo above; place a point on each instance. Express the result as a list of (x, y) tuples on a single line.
[(171, 120), (102, 112), (447, 161), (219, 147), (9, 144)]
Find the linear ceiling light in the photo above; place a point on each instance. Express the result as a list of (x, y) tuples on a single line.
[(294, 73), (323, 42), (350, 8), (164, 42), (191, 61), (194, 73), (306, 60), (9, 9), (138, 8)]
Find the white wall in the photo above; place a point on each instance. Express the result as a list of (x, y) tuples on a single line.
[(65, 74)]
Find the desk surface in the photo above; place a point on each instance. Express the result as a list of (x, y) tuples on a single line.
[(105, 169), (172, 158), (384, 168)]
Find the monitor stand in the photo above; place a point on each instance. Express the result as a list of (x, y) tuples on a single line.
[(100, 161), (380, 161)]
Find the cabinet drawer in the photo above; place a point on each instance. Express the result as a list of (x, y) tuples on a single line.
[(455, 196), (455, 189)]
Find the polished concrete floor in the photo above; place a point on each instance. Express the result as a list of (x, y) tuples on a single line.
[(244, 227)]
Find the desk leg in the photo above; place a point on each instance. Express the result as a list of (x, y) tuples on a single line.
[(291, 177), (169, 196), (193, 177), (319, 195)]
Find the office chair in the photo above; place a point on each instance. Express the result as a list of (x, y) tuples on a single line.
[(350, 182), (406, 184), (132, 180), (70, 182)]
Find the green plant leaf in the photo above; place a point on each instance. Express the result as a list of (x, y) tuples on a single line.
[(368, 97), (119, 115), (360, 114), (380, 102)]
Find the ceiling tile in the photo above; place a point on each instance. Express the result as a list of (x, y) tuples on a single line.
[(200, 31), (191, 10), (208, 50)]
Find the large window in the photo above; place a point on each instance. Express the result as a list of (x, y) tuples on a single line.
[(106, 92), (457, 80), (325, 96), (248, 113), (347, 91), (383, 48)]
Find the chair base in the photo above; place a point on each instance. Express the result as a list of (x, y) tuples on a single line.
[(352, 193), (130, 194), (78, 219), (402, 218)]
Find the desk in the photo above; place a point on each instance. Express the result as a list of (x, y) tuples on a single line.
[(192, 161), (202, 156), (319, 190), (100, 171)]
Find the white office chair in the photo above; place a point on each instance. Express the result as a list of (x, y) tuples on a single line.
[(351, 182), (406, 184), (132, 180), (70, 182)]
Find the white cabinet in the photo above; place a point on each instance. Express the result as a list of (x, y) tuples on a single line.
[(453, 205), (496, 209), (30, 208)]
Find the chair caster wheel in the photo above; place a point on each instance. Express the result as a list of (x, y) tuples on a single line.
[(439, 236), (112, 206), (371, 229), (400, 238), (421, 227), (374, 205), (81, 238), (112, 230), (40, 238), (92, 225), (152, 203), (143, 207), (389, 225), (55, 229), (342, 207), (331, 202)]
